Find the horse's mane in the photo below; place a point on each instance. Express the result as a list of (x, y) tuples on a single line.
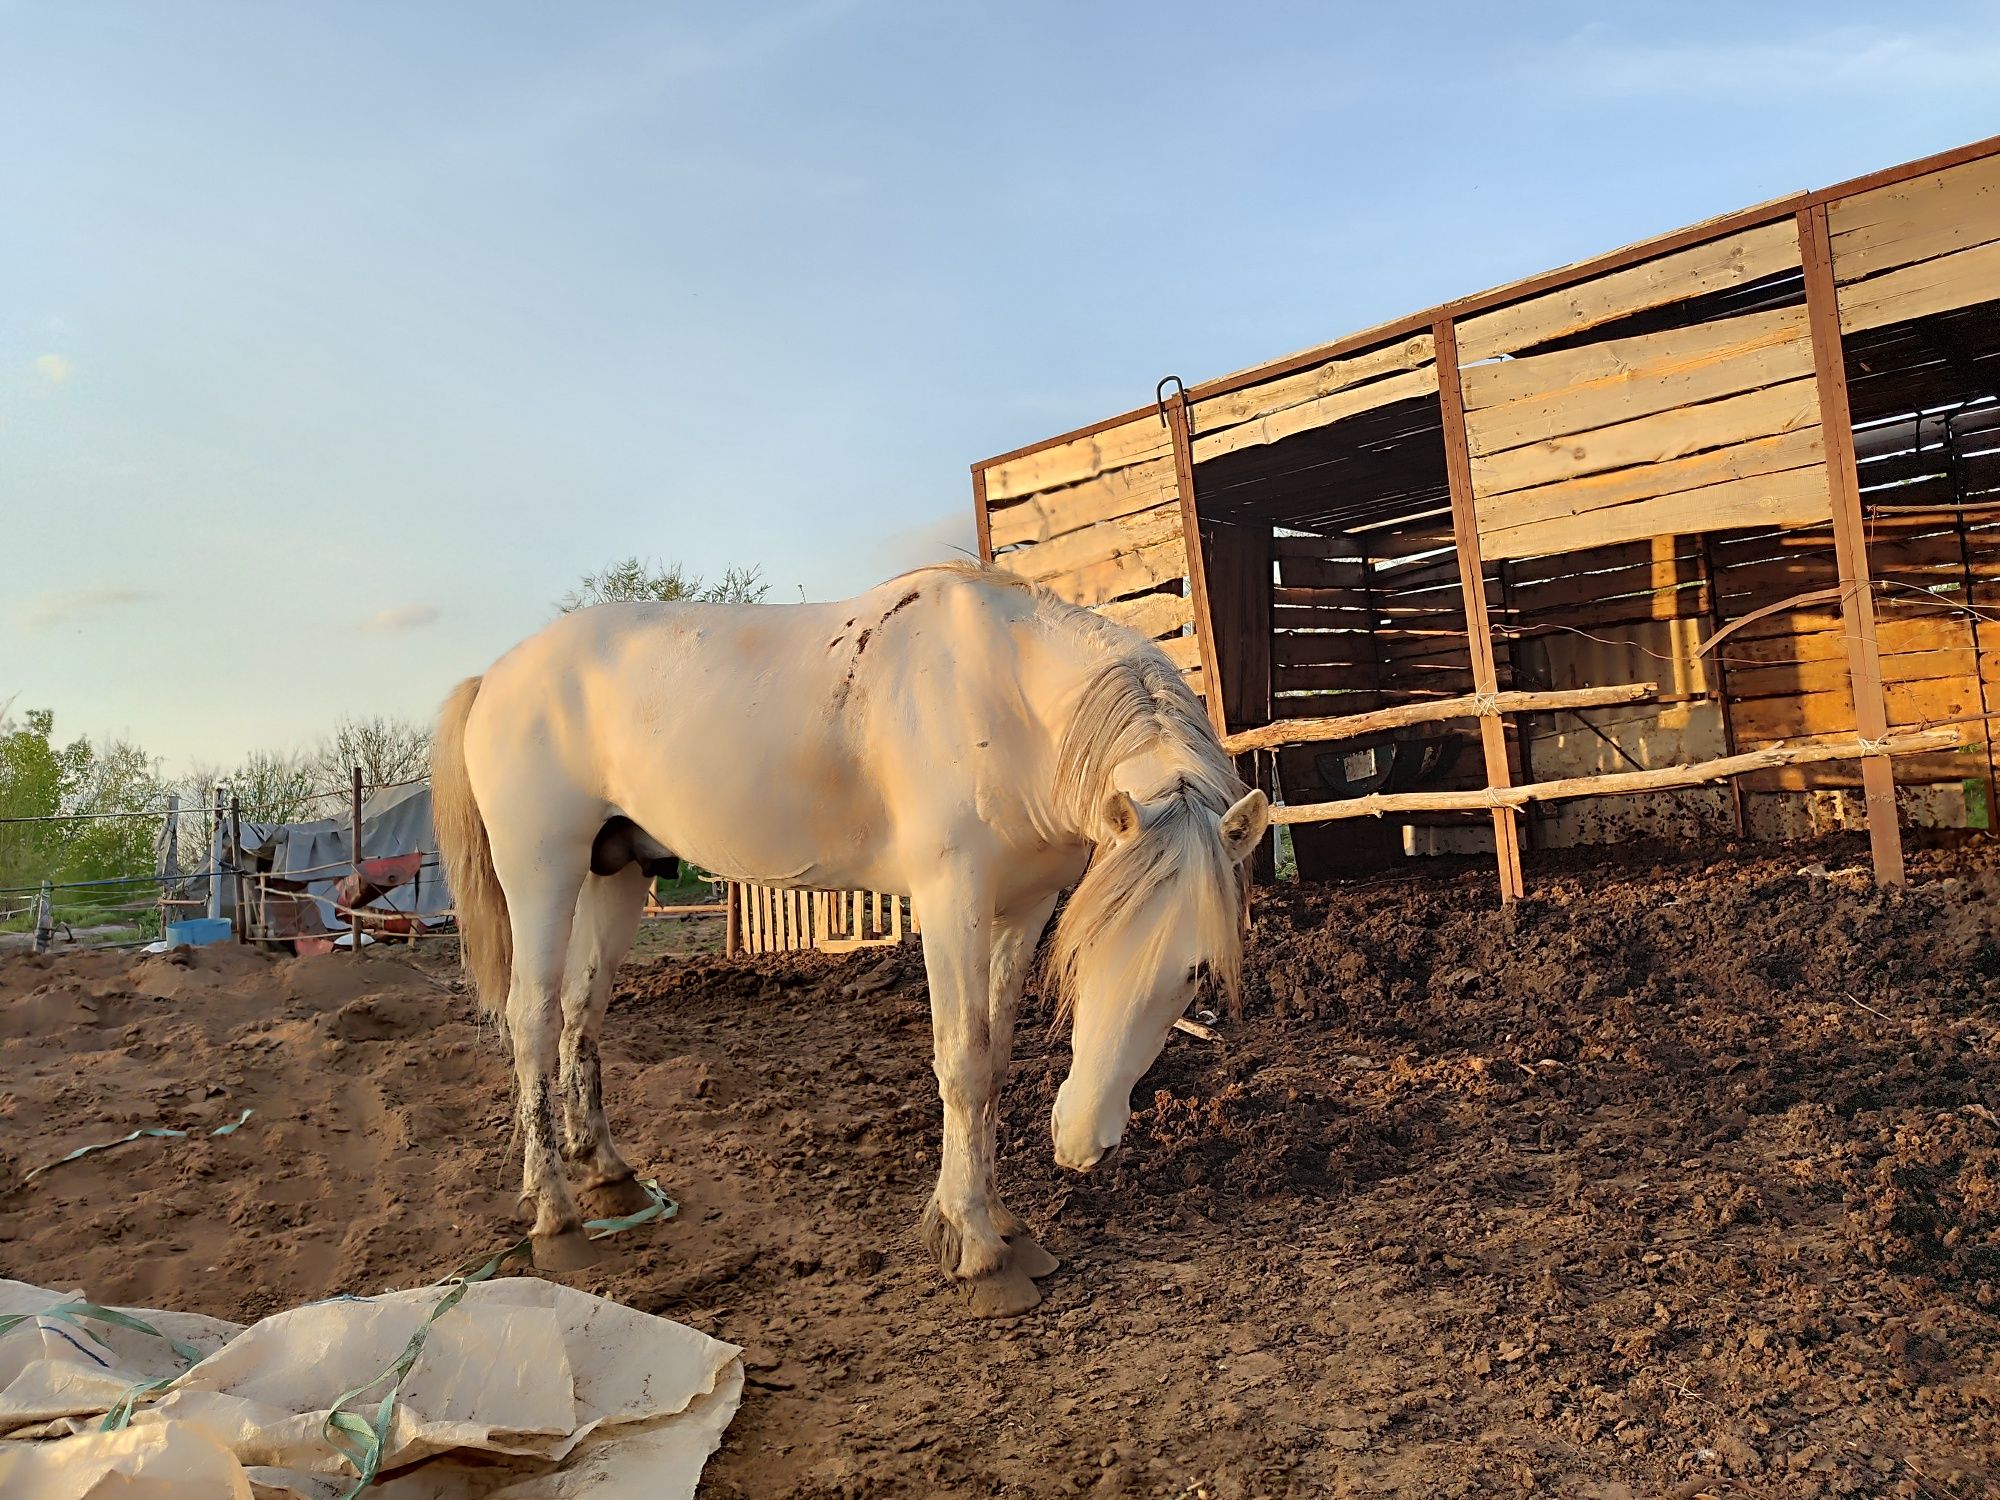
[(1136, 703)]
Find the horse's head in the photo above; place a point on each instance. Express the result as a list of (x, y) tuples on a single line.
[(1159, 909)]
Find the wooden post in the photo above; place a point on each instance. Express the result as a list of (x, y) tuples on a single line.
[(982, 522), (1472, 583), (1850, 543), (1204, 625), (170, 871), (1719, 680), (45, 919), (732, 925), (215, 857), (353, 912), (241, 923)]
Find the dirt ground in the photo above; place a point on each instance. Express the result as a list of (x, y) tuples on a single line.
[(1675, 1180)]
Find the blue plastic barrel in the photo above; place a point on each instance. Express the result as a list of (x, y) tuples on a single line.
[(197, 932)]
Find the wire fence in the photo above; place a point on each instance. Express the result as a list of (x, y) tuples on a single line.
[(223, 876)]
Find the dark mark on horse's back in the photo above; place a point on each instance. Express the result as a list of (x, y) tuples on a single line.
[(860, 645), (902, 604)]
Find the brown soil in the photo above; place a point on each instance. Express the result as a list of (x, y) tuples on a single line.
[(1672, 1181)]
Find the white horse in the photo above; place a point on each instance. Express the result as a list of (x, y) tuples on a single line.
[(954, 735)]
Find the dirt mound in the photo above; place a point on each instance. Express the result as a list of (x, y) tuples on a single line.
[(1676, 1179)]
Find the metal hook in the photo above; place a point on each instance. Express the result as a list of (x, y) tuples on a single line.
[(1160, 395)]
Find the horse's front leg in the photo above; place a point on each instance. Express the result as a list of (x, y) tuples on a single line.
[(1015, 936), (959, 1224)]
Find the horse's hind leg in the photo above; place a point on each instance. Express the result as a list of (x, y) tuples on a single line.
[(607, 918), (541, 901)]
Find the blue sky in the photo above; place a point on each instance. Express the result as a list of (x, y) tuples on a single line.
[(337, 340)]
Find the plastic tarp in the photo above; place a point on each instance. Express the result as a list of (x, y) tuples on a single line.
[(524, 1389), (319, 854)]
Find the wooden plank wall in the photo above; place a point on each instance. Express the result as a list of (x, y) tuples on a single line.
[(1918, 247), (1615, 434), (1098, 521)]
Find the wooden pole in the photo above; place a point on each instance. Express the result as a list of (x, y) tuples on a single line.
[(353, 912), (1624, 783), (170, 886), (1353, 726), (241, 923), (732, 932), (1850, 543), (1718, 677), (1197, 565), (1472, 583), (45, 918), (982, 521)]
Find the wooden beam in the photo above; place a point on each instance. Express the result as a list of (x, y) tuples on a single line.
[(1850, 540), (1772, 212), (1621, 784), (980, 517), (1197, 570), (1353, 726), (1472, 585)]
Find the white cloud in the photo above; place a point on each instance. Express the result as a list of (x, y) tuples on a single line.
[(78, 604), (403, 617), (54, 368)]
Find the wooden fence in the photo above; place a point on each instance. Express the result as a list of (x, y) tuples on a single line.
[(785, 921)]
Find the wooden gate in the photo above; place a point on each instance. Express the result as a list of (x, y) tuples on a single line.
[(769, 920)]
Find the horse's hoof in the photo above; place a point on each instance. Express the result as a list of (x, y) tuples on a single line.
[(1027, 1253), (565, 1250), (617, 1199), (1005, 1293)]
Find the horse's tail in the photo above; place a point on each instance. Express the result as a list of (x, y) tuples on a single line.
[(485, 935)]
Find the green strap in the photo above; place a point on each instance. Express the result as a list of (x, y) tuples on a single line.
[(363, 1441), (157, 1131)]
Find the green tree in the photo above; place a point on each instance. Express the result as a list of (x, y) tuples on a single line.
[(632, 578)]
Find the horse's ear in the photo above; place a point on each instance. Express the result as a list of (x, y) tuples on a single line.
[(1121, 815), (1244, 824)]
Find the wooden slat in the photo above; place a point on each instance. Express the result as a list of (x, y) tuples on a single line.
[(1596, 560), (1928, 701), (1829, 675), (1323, 679), (1082, 458), (1920, 219), (1321, 573), (1122, 492), (1128, 573), (1706, 267), (1311, 414), (1931, 286), (1652, 439), (1800, 495), (1107, 539), (1256, 401), (1150, 614), (1570, 497), (1184, 651), (1316, 648), (1577, 390)]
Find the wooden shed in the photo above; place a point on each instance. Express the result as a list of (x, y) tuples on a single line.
[(1714, 519)]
